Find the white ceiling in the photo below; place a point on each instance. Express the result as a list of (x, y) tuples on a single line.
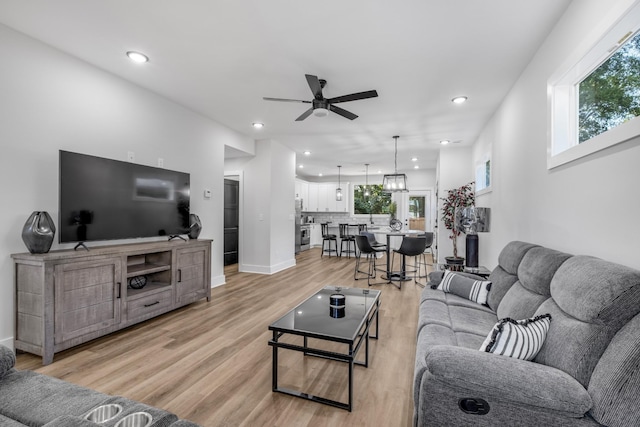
[(220, 57)]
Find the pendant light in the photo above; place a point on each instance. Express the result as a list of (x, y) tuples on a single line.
[(339, 190), (395, 182), (366, 180)]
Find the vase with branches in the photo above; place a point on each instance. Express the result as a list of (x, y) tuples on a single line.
[(457, 198)]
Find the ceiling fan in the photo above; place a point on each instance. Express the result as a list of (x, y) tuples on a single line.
[(320, 105)]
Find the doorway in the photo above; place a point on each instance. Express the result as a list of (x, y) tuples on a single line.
[(231, 221), (417, 210)]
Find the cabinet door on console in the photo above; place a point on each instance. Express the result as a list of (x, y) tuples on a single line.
[(88, 297), (191, 281)]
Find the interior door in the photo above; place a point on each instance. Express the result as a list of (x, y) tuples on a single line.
[(231, 221)]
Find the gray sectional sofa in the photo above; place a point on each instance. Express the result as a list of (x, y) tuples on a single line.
[(587, 372), (31, 399)]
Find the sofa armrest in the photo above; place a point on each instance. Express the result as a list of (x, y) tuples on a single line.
[(518, 382), (7, 360)]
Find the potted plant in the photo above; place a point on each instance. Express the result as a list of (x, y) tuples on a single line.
[(457, 198)]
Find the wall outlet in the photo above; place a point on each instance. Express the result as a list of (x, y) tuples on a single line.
[(131, 156), (160, 162)]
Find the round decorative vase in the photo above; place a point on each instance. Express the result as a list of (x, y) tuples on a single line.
[(395, 224), (38, 232), (195, 226), (454, 263)]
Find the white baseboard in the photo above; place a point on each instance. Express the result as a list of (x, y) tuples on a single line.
[(8, 342), (267, 269), (218, 281)]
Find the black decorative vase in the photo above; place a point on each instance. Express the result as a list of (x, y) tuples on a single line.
[(472, 250), (38, 232), (195, 226)]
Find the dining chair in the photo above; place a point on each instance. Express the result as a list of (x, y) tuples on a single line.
[(411, 247), (371, 253)]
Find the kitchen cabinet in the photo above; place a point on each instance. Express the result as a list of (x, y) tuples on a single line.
[(312, 205), (322, 197), (302, 192), (316, 235)]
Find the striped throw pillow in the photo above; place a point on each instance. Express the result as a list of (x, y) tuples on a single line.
[(465, 287), (521, 339)]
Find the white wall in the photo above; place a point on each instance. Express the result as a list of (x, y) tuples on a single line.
[(51, 101), (267, 208), (454, 170), (585, 207)]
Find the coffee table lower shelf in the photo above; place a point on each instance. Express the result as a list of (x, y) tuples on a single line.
[(349, 357)]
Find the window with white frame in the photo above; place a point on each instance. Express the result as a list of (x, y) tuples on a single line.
[(483, 175), (594, 98)]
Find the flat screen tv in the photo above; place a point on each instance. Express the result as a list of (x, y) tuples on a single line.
[(102, 199)]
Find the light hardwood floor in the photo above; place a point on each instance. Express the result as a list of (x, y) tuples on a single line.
[(210, 362)]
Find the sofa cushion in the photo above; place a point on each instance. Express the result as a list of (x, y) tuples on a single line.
[(592, 300), (8, 422), (469, 288), (521, 339), (535, 272), (35, 399), (7, 360), (615, 382), (506, 273)]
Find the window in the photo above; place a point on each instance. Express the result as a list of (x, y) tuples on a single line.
[(376, 203), (483, 176), (610, 95), (594, 98)]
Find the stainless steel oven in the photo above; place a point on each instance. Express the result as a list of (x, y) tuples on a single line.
[(305, 237)]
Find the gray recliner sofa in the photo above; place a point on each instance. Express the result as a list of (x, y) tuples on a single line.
[(31, 399), (587, 372)]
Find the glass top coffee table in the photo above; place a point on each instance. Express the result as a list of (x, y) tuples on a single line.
[(335, 314)]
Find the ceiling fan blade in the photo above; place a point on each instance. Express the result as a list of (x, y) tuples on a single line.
[(285, 100), (314, 84), (344, 113), (354, 96), (305, 115)]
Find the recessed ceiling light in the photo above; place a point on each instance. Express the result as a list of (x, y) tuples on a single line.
[(459, 99), (257, 125), (301, 166), (414, 159), (138, 57), (444, 142), (320, 174), (416, 167), (307, 153), (379, 171)]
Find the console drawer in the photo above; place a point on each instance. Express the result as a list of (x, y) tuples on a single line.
[(148, 304)]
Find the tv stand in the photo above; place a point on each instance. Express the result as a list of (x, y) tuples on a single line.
[(176, 236), (66, 297), (81, 245)]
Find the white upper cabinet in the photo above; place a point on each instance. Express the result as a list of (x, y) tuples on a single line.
[(321, 197)]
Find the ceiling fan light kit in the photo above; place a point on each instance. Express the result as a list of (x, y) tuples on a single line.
[(320, 106), (395, 182)]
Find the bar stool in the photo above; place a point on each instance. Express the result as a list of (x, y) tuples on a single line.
[(326, 237), (411, 247), (372, 240), (429, 246), (365, 248), (348, 238)]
